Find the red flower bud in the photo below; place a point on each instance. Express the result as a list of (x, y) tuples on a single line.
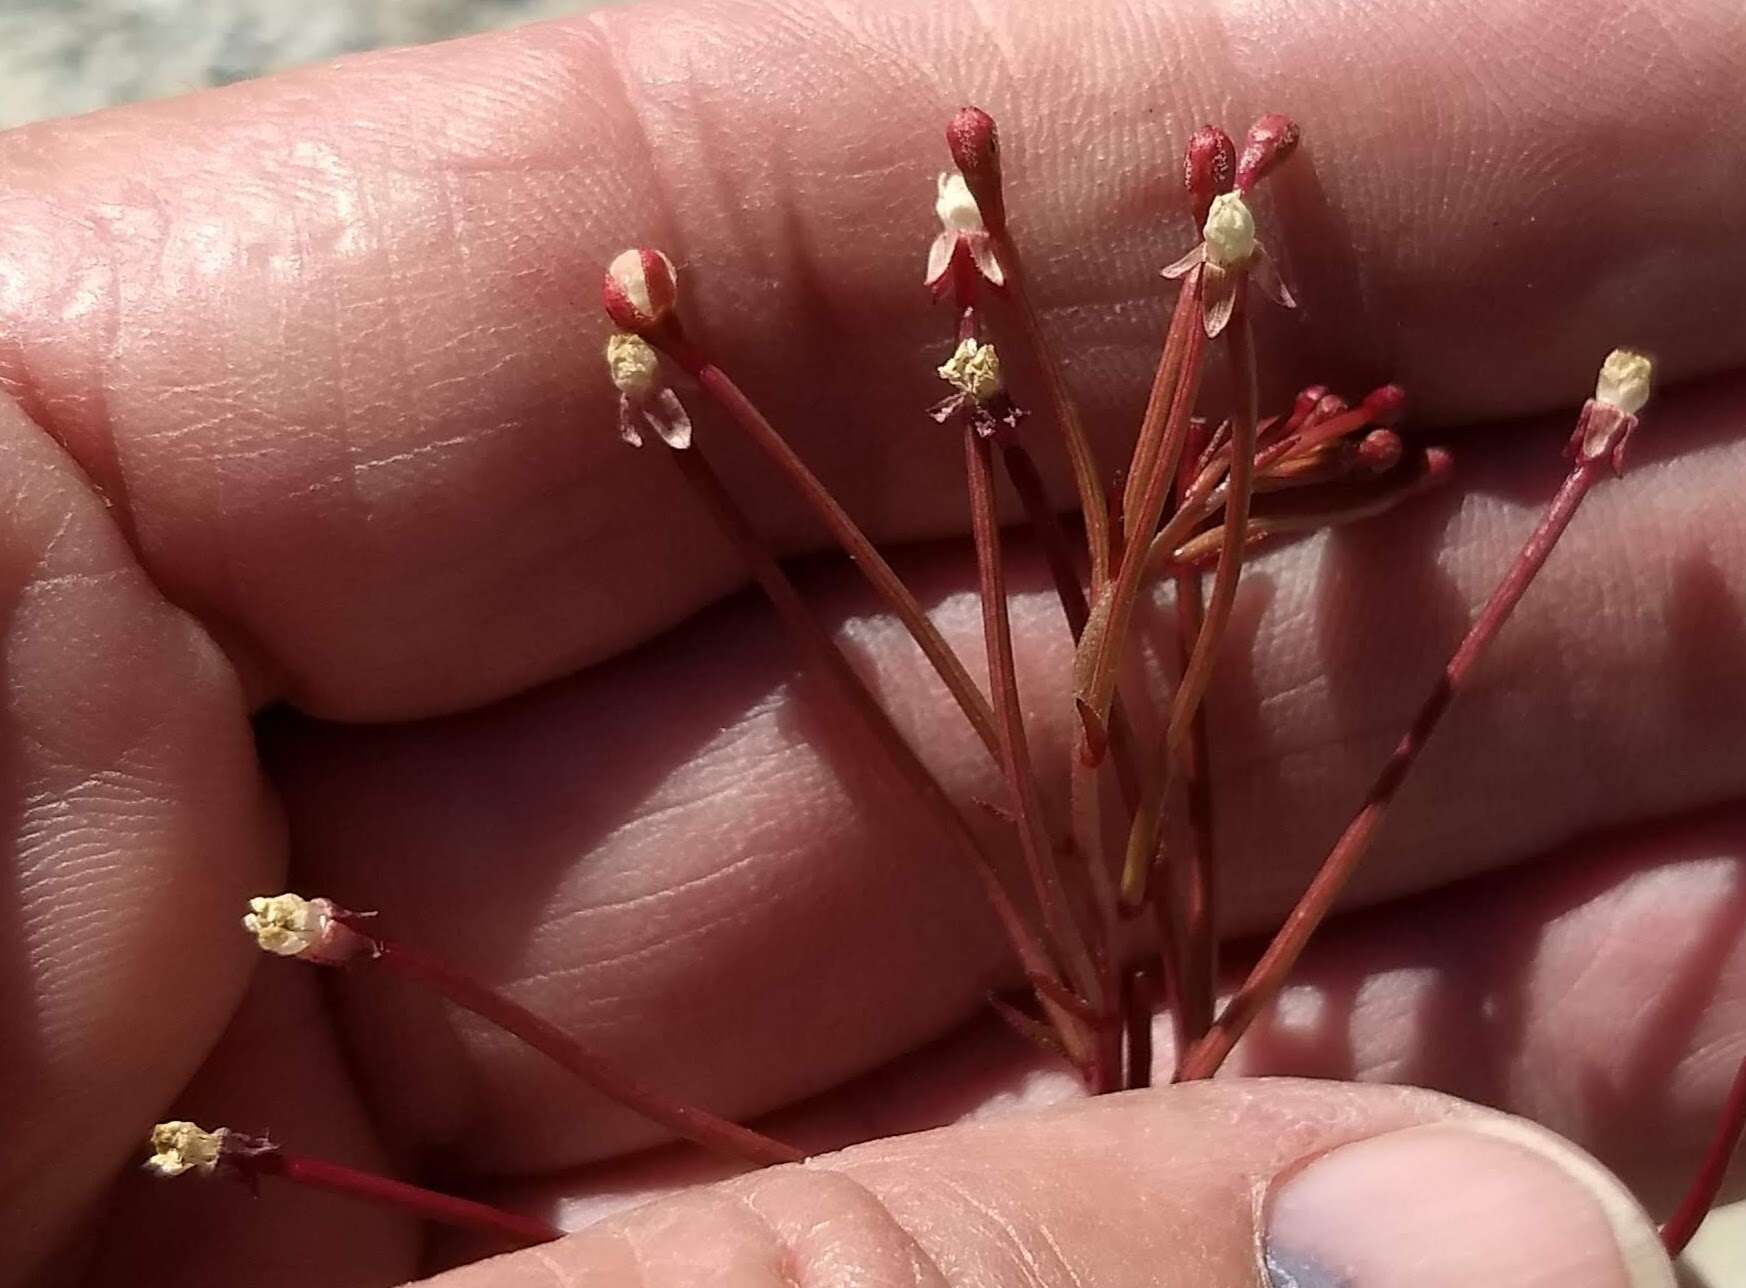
[(1385, 405), (1207, 168), (640, 290), (975, 147), (1270, 140)]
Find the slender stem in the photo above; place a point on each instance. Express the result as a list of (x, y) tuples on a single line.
[(1052, 897), (1200, 910), (1173, 395), (1087, 477), (1700, 1196), (1281, 956), (548, 1039), (1197, 674), (821, 652), (861, 551), (1057, 552), (445, 1209), (1137, 1007)]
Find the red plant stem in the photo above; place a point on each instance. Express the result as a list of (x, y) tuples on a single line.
[(861, 551), (1137, 1009), (1200, 961), (1167, 412), (1052, 897), (821, 652), (1269, 973), (1087, 477), (1700, 1196), (700, 1126), (1058, 553), (1197, 674), (445, 1209)]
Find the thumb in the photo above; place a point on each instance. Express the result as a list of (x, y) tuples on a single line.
[(1288, 1183)]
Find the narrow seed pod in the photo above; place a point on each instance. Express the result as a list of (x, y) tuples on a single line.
[(1270, 141), (640, 290)]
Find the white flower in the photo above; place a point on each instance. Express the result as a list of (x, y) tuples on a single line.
[(1229, 232), (962, 232), (1624, 380)]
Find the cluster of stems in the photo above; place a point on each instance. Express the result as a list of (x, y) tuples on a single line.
[(1135, 858)]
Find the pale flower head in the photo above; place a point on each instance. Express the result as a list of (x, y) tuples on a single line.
[(179, 1147), (1624, 380), (286, 924), (1229, 232), (955, 206), (974, 370), (632, 363)]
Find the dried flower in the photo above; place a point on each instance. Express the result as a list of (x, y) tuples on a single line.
[(640, 290), (974, 371), (179, 1147), (1229, 253), (644, 400), (963, 238), (288, 925)]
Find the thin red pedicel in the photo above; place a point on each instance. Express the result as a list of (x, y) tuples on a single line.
[(1706, 1183), (179, 1148), (320, 932), (1598, 446)]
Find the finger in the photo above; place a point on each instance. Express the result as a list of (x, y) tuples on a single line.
[(1228, 1184), (328, 343), (279, 1072), (1597, 991), (134, 819), (685, 843)]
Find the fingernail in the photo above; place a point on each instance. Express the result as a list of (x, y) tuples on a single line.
[(1494, 1202)]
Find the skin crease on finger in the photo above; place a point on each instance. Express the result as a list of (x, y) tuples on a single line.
[(328, 341), (325, 346)]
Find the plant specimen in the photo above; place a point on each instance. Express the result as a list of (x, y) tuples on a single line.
[(1109, 905)]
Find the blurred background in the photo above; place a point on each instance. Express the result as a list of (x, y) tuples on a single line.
[(62, 57)]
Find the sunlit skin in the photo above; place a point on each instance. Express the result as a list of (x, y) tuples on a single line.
[(327, 347)]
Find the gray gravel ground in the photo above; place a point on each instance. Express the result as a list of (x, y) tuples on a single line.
[(59, 57)]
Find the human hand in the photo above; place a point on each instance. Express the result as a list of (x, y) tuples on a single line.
[(327, 346)]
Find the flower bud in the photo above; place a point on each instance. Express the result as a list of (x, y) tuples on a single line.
[(1207, 168), (1229, 232), (975, 147), (1270, 140), (1385, 404), (640, 290), (1624, 380)]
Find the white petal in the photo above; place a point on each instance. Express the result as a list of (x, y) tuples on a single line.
[(982, 251), (1182, 267), (666, 416), (939, 257)]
